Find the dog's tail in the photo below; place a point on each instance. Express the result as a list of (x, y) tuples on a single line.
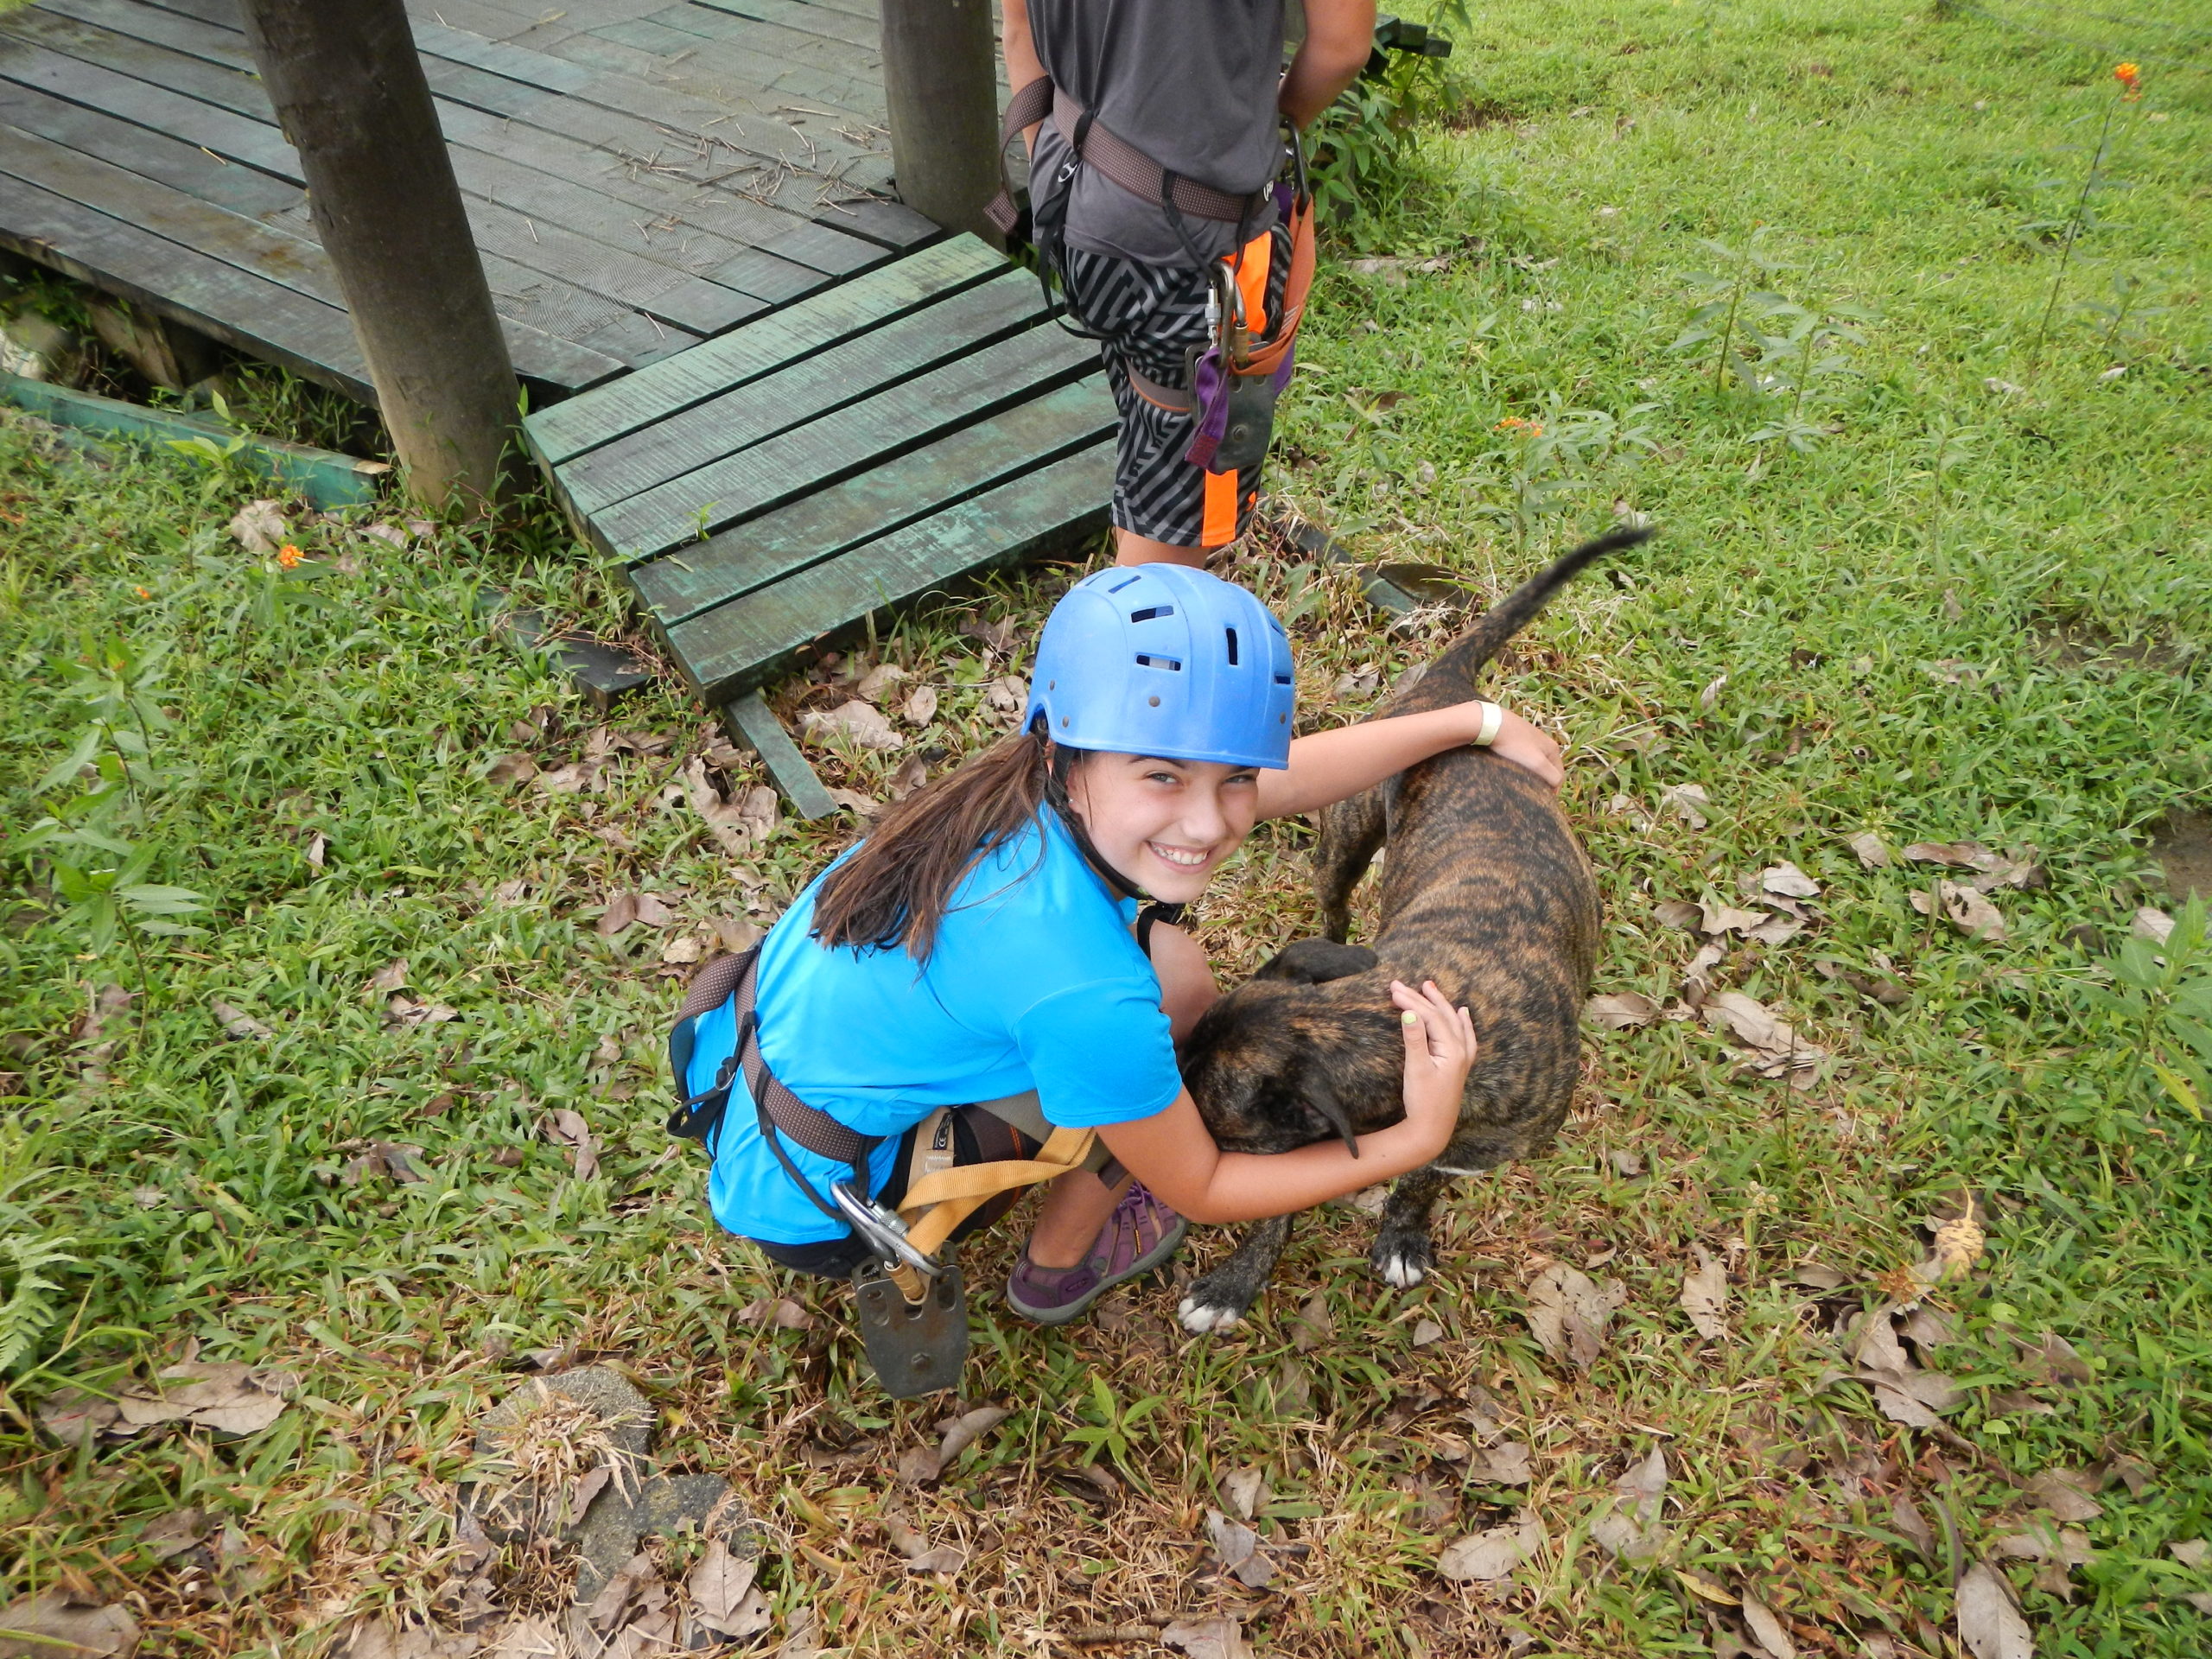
[(1465, 657)]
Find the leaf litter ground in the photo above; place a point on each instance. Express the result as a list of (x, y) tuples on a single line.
[(1858, 1310)]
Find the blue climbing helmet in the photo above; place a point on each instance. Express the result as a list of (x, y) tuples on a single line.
[(1163, 659)]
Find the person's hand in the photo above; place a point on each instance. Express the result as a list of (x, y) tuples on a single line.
[(1527, 745), (1439, 1048)]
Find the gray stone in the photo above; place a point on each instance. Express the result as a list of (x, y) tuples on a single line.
[(665, 1503), (629, 1418)]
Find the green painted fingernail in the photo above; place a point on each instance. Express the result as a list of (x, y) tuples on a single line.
[(1409, 1018)]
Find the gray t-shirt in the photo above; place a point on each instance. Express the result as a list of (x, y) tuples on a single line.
[(1192, 83)]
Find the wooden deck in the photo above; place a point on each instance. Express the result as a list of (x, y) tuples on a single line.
[(629, 199), (786, 401)]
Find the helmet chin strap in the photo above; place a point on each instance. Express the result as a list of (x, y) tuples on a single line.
[(1056, 793)]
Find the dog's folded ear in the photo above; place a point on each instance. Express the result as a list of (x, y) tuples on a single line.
[(1323, 1099), (1316, 961)]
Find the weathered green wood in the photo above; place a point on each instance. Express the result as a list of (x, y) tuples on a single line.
[(291, 260), (162, 27), (681, 585), (856, 7), (844, 26), (327, 478), (656, 197), (151, 154), (744, 644), (778, 57), (843, 373), (305, 335), (561, 433), (820, 453), (222, 85), (234, 137), (751, 722)]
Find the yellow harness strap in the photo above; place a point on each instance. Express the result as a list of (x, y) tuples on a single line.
[(951, 1196)]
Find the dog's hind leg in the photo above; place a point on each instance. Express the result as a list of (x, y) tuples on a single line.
[(1403, 1254), (1351, 830), (1219, 1298)]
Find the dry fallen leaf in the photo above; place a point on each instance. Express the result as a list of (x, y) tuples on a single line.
[(724, 1599), (238, 1023), (1239, 1546), (260, 528), (227, 1397), (1486, 1557), (1767, 1629), (1313, 1326), (1704, 1295), (53, 1626), (1207, 1638), (511, 769), (683, 948), (1568, 1312), (879, 681), (1244, 1490), (1714, 920), (1966, 909), (392, 976), (924, 1464), (863, 722), (2065, 1493), (1779, 1050), (1789, 881), (734, 828), (910, 776), (1425, 1332), (2152, 923), (1620, 1009), (1871, 852), (565, 1128), (920, 706), (1989, 1622), (1505, 1463), (1687, 802), (1678, 912), (621, 911), (2190, 1552), (1906, 1517), (1705, 1589), (1959, 1244)]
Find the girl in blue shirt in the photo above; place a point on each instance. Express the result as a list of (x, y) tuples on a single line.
[(975, 973)]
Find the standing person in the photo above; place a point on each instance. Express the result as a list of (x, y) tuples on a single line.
[(974, 974), (1150, 173)]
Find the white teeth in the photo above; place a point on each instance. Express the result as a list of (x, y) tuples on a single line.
[(1176, 856)]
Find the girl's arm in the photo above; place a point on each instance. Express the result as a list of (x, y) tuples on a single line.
[(1331, 767), (1339, 33), (1020, 47), (1171, 1153)]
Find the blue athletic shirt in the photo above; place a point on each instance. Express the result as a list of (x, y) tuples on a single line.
[(1036, 983)]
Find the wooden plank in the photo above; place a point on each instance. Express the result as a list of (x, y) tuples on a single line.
[(652, 395), (221, 132), (863, 33), (192, 35), (241, 309), (773, 53), (780, 468), (683, 584), (295, 261), (751, 722), (739, 647), (326, 478), (867, 8), (152, 155), (657, 196), (892, 223), (843, 373)]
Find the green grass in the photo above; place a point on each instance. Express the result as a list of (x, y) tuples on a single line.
[(2014, 651)]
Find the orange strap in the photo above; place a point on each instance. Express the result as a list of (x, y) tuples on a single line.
[(1264, 359)]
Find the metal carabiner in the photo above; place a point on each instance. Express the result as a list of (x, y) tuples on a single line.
[(882, 1229)]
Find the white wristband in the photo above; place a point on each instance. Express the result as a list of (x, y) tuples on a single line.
[(1493, 718)]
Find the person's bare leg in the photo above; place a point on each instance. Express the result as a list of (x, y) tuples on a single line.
[(1130, 548), (1077, 1204)]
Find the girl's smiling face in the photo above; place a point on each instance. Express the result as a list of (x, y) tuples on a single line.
[(1166, 826)]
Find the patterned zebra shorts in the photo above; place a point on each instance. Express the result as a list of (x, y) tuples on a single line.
[(1152, 316)]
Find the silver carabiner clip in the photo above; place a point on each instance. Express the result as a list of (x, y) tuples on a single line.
[(882, 1229)]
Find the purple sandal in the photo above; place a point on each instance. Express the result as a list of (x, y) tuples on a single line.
[(1141, 1233)]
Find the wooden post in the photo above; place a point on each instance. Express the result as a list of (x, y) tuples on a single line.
[(350, 96), (940, 78)]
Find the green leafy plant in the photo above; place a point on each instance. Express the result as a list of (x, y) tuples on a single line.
[(2125, 307), (2161, 995), (1729, 306), (1114, 1428), (2082, 217), (1801, 353)]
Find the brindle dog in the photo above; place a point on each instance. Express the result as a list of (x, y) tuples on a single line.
[(1486, 892)]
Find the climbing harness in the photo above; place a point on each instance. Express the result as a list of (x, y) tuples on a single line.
[(1237, 378), (912, 1308)]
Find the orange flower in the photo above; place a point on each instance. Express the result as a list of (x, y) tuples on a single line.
[(1514, 423), (287, 555), (142, 593), (2129, 77)]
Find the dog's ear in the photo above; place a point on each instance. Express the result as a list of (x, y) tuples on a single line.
[(1316, 961), (1322, 1098)]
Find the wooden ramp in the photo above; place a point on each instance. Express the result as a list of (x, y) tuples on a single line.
[(853, 452), (659, 175)]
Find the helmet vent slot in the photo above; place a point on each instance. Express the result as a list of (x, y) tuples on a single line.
[(1231, 633), (1126, 581), (1169, 663), (1150, 611), (1282, 679)]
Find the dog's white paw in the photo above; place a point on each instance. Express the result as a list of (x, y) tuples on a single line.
[(1198, 1316), (1401, 1274)]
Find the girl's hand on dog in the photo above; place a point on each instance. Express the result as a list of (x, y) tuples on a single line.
[(1439, 1048), (1525, 745)]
